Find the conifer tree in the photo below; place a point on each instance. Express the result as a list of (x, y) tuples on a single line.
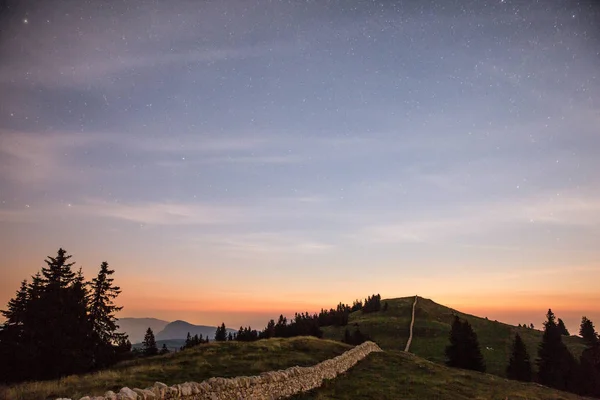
[(188, 341), (149, 343), (221, 333), (588, 332), (463, 350), (164, 349), (103, 309), (269, 331), (556, 366), (455, 350), (58, 321), (15, 314), (519, 365), (562, 328)]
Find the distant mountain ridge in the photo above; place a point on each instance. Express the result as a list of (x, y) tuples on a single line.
[(136, 328), (179, 330)]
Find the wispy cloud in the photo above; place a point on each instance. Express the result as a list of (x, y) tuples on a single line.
[(264, 243), (578, 210), (162, 213), (33, 157)]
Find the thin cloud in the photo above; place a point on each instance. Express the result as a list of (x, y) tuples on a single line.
[(264, 243), (567, 210), (162, 213)]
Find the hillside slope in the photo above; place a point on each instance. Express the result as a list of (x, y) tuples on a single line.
[(224, 359), (390, 330), (397, 375)]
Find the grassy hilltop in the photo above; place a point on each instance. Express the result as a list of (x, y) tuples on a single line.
[(390, 330)]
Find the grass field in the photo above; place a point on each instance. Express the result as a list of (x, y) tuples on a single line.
[(397, 375), (226, 359)]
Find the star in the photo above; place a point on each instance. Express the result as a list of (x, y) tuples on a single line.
[(25, 21)]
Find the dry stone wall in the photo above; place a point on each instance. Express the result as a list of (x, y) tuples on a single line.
[(268, 385)]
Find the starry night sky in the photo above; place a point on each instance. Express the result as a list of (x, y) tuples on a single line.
[(237, 159)]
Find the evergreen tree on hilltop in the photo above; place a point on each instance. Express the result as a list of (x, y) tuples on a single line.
[(58, 273), (269, 330), (556, 366), (15, 314), (58, 322), (455, 350), (221, 333), (463, 350), (102, 307), (188, 341), (164, 349), (519, 365), (474, 358), (149, 343), (588, 332), (102, 315), (562, 328)]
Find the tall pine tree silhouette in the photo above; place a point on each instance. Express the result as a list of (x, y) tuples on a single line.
[(557, 368), (463, 350), (519, 365), (221, 333), (562, 328), (102, 316), (59, 323), (588, 332), (149, 343)]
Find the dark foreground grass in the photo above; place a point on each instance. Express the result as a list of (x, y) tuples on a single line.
[(227, 359), (397, 375)]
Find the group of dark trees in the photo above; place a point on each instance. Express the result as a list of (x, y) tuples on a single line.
[(193, 341), (530, 326), (306, 324), (372, 304), (59, 324), (463, 351), (557, 367)]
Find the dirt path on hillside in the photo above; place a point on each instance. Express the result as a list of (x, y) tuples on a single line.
[(412, 323)]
